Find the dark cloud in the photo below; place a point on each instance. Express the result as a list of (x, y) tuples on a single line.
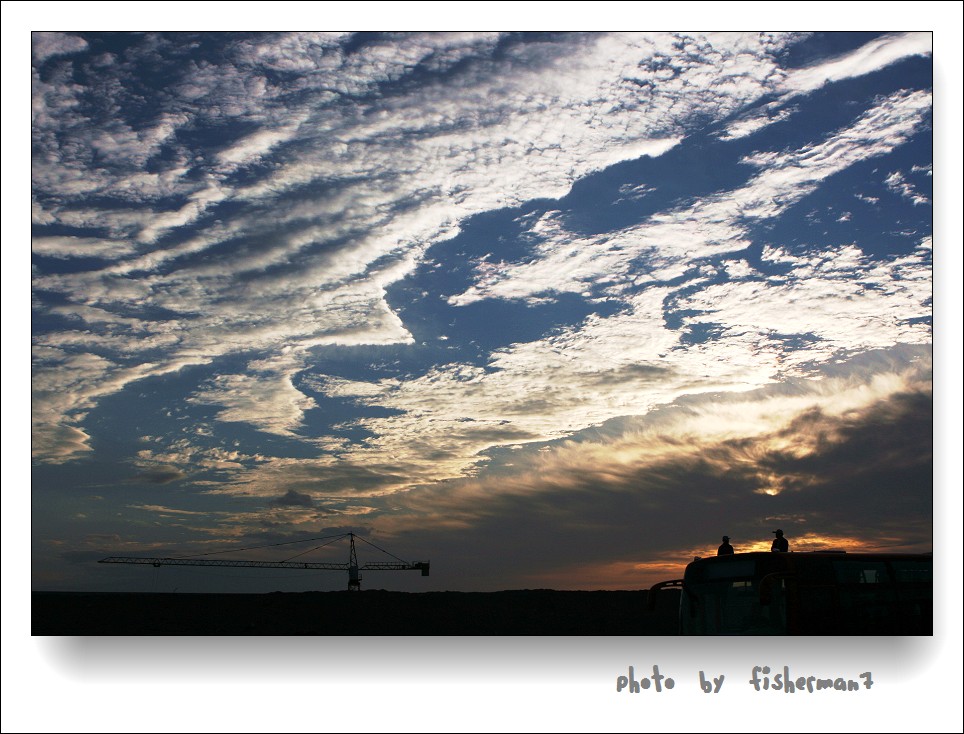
[(160, 475), (896, 434), (101, 538), (636, 373), (869, 479), (293, 499), (83, 556), (498, 435), (343, 478)]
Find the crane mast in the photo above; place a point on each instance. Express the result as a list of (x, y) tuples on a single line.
[(352, 566), (354, 577)]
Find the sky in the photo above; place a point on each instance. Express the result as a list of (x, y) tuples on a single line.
[(549, 310)]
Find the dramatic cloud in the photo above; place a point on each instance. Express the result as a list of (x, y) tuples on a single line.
[(443, 283)]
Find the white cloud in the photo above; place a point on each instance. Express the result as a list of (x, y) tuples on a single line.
[(671, 241), (348, 194), (65, 386), (66, 247), (47, 44), (446, 146), (897, 183), (629, 363), (255, 146), (764, 420), (872, 56), (746, 125), (263, 395), (839, 300)]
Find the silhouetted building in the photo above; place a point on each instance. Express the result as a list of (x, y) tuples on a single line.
[(726, 549), (780, 544)]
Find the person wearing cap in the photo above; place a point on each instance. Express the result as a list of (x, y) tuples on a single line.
[(726, 549), (780, 544)]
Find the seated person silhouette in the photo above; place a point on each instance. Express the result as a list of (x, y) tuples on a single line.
[(780, 544), (726, 549)]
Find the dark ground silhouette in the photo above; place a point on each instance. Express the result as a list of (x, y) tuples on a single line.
[(369, 612)]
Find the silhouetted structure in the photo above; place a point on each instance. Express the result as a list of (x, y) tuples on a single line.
[(780, 544), (726, 549), (354, 570), (816, 593)]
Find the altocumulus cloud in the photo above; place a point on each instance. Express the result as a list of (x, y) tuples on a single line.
[(390, 177), (428, 281)]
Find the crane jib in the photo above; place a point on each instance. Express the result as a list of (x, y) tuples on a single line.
[(352, 566), (422, 566)]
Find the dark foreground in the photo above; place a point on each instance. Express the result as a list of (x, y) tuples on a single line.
[(540, 612)]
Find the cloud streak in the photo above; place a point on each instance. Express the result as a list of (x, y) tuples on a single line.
[(319, 270)]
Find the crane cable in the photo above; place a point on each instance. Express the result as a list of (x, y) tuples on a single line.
[(267, 545), (330, 538), (382, 550), (312, 549)]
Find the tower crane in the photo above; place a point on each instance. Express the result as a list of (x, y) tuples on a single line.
[(352, 567)]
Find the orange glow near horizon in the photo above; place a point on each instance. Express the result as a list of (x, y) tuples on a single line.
[(613, 576), (628, 575)]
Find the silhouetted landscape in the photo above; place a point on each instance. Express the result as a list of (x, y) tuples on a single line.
[(369, 612)]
